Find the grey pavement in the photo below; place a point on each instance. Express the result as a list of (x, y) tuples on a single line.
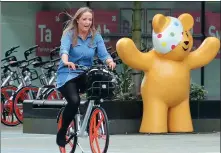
[(13, 140)]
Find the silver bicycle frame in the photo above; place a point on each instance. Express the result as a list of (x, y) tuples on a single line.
[(52, 79), (7, 79), (23, 83), (82, 128), (45, 78)]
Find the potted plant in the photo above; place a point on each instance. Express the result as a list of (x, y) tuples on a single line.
[(197, 92), (125, 86)]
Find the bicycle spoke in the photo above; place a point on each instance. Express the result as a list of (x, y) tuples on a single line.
[(99, 123), (96, 140)]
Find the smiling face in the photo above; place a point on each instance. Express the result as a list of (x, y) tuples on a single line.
[(175, 41), (187, 41), (85, 22)]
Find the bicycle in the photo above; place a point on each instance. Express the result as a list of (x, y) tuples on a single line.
[(101, 84), (8, 77), (28, 91), (7, 90)]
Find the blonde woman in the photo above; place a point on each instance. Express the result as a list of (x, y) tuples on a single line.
[(78, 44)]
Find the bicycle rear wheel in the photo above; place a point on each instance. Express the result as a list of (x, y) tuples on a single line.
[(20, 96), (99, 130), (71, 146), (53, 95)]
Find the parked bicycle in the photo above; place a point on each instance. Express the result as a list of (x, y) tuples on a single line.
[(25, 76), (28, 91)]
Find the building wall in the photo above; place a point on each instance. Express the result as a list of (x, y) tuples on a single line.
[(18, 27)]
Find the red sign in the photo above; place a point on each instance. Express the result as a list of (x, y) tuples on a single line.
[(213, 26), (49, 28), (48, 32)]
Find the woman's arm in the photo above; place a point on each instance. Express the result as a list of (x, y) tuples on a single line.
[(64, 58), (102, 53), (66, 42)]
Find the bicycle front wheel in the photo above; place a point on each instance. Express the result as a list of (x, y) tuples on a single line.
[(99, 131)]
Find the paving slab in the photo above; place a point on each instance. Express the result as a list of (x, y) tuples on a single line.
[(13, 140)]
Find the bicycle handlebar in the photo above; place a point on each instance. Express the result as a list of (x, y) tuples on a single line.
[(109, 48), (10, 58), (86, 69), (53, 52), (10, 51), (24, 63), (29, 51), (55, 60), (39, 59)]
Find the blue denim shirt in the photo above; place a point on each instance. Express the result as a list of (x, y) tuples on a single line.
[(83, 54)]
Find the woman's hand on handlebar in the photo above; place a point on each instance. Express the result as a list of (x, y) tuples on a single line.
[(70, 65), (112, 65)]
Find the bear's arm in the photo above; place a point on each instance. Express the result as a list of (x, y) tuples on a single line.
[(204, 54), (131, 56)]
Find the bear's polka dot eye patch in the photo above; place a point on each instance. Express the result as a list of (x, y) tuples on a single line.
[(169, 38)]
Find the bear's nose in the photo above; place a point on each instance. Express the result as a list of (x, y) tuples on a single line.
[(186, 42)]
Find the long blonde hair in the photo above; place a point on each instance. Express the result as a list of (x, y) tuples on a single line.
[(73, 25)]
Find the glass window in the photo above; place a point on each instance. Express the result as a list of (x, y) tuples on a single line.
[(212, 70), (212, 79), (126, 21)]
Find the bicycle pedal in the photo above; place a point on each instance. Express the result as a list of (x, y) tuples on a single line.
[(71, 137)]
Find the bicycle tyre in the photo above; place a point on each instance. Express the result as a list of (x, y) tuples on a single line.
[(106, 127), (3, 110), (75, 138), (18, 95), (52, 93)]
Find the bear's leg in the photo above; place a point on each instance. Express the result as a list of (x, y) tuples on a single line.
[(154, 118), (179, 118)]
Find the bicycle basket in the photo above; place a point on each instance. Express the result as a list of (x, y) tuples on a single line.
[(100, 84)]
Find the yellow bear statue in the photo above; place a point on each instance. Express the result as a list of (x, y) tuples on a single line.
[(166, 85)]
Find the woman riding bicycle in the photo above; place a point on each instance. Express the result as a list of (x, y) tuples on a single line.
[(78, 44)]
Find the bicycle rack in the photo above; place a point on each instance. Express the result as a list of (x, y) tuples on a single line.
[(42, 103)]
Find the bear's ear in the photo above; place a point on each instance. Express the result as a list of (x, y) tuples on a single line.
[(160, 22), (187, 21)]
